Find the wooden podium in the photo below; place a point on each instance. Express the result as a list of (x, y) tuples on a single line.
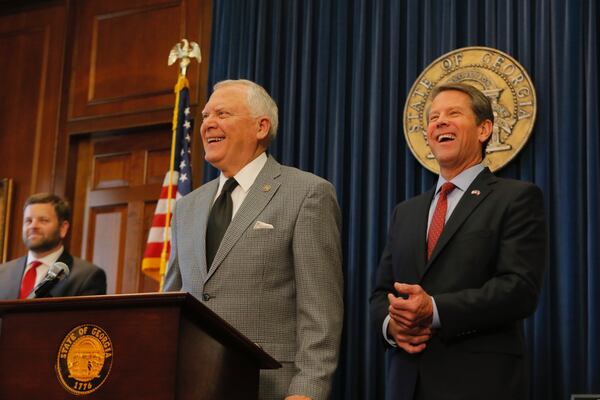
[(142, 346)]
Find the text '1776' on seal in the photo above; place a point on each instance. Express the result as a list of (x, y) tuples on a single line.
[(84, 359)]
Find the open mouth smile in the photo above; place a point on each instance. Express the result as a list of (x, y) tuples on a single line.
[(446, 137)]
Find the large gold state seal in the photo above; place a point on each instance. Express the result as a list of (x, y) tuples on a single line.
[(500, 77), (84, 359)]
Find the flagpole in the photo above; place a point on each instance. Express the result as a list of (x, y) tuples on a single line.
[(181, 83), (184, 52)]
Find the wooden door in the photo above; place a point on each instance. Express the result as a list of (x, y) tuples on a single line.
[(117, 184)]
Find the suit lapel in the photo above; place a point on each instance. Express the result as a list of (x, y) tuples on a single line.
[(473, 196), (66, 258), (19, 271), (58, 289), (422, 216), (21, 265), (205, 197), (260, 194)]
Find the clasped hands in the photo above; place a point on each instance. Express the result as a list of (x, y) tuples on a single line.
[(411, 315)]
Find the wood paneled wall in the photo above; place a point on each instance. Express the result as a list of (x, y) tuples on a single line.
[(78, 76), (32, 47), (120, 60)]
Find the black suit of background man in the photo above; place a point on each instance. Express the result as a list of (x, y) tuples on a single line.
[(45, 226)]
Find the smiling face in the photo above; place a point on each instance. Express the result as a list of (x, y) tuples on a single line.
[(453, 134), (231, 135), (42, 231)]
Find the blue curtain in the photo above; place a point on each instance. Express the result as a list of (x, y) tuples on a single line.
[(340, 71)]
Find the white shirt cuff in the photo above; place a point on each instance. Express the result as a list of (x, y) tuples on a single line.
[(436, 323), (386, 322)]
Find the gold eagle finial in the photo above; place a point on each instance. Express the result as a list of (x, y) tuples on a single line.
[(184, 50)]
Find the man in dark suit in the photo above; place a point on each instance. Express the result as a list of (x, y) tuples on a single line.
[(462, 267), (45, 225), (274, 271)]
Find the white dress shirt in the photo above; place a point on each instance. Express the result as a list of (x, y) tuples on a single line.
[(245, 179), (46, 261)]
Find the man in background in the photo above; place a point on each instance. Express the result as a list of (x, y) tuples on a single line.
[(45, 226), (260, 246), (462, 267)]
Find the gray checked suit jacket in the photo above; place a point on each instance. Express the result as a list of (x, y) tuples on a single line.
[(281, 287)]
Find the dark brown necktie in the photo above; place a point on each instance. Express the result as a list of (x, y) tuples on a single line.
[(439, 218), (218, 220)]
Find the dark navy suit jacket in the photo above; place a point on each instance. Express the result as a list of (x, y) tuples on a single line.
[(485, 275)]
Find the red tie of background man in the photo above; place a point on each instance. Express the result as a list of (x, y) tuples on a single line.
[(439, 218), (29, 280)]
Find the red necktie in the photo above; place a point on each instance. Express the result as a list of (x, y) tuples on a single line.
[(439, 218), (29, 280)]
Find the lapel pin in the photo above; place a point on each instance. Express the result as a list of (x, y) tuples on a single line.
[(475, 192), (266, 188)]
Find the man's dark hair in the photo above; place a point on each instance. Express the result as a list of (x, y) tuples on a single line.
[(480, 104), (61, 207)]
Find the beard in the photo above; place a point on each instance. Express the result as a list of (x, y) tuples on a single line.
[(43, 243)]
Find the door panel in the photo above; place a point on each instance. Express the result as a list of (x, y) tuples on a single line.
[(107, 231), (119, 189)]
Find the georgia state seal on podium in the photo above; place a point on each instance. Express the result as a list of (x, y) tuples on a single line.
[(84, 359)]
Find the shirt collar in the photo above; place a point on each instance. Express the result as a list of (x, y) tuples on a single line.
[(48, 260), (247, 175), (463, 180)]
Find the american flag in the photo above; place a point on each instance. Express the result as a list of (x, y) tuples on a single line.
[(154, 263)]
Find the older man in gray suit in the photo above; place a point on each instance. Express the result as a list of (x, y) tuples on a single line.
[(260, 245)]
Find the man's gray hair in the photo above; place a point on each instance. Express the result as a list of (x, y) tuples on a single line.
[(259, 102)]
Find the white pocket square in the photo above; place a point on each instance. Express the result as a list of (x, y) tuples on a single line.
[(262, 225)]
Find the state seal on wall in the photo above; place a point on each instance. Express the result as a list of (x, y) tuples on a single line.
[(84, 359), (500, 77)]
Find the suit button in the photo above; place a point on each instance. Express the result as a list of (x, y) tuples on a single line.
[(206, 297)]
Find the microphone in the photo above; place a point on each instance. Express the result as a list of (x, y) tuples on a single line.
[(57, 272)]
